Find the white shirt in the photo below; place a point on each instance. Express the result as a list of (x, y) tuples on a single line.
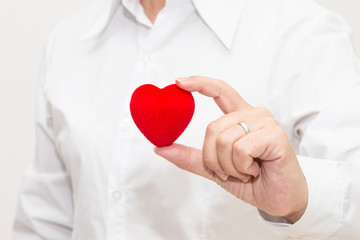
[(96, 177)]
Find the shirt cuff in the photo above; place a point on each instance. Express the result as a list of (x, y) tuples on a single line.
[(325, 203)]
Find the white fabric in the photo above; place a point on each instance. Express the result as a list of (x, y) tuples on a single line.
[(96, 177)]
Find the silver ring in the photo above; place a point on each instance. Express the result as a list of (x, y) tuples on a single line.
[(245, 127)]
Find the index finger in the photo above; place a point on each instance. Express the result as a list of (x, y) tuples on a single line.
[(225, 96)]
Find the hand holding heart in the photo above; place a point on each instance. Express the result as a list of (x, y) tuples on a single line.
[(260, 168)]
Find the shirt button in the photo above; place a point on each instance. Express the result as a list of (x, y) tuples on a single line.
[(124, 124), (147, 60), (116, 195)]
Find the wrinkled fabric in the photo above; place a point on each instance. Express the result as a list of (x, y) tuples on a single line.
[(95, 176)]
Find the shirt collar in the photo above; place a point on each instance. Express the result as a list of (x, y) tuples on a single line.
[(105, 9), (221, 16)]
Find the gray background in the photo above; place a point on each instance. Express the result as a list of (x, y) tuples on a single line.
[(24, 28)]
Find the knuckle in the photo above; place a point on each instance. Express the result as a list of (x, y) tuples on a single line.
[(212, 128), (272, 122), (279, 131), (222, 141), (240, 155), (211, 164), (263, 111), (239, 150), (215, 167), (222, 85), (227, 169)]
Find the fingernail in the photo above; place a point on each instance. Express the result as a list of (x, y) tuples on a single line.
[(183, 79), (246, 179), (223, 176)]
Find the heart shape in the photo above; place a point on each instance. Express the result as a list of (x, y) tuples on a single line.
[(161, 115)]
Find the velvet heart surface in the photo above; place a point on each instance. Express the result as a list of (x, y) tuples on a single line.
[(161, 115)]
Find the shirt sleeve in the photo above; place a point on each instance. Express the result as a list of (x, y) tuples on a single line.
[(325, 121), (45, 207)]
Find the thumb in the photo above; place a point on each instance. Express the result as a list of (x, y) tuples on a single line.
[(186, 158)]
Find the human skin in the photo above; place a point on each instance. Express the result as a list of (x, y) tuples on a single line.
[(152, 8), (260, 168)]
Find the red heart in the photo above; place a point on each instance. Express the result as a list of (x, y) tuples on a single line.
[(162, 115)]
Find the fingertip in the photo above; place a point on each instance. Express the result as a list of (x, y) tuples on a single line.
[(166, 151), (183, 80), (161, 151), (155, 149), (254, 169), (178, 81), (222, 175), (183, 83)]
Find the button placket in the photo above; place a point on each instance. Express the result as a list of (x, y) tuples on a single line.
[(147, 61), (116, 195)]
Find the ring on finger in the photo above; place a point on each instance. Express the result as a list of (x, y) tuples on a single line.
[(244, 126)]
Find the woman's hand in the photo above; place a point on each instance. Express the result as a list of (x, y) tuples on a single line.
[(260, 167)]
